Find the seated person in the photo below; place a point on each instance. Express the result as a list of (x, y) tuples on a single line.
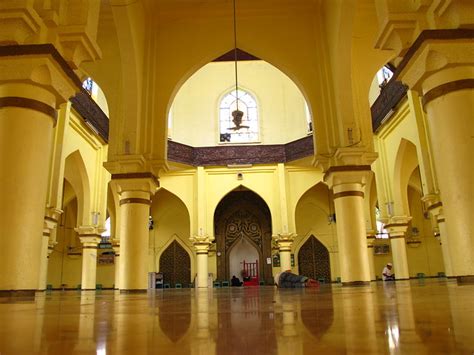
[(245, 275), (235, 281), (387, 274), (287, 279)]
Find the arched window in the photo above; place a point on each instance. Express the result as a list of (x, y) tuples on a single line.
[(232, 131)]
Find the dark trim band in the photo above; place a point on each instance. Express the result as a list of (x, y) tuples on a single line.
[(446, 89), (434, 205), (339, 168), (390, 225), (454, 34), (23, 102), (370, 246), (465, 280), (142, 201), (136, 176), (38, 49), (348, 194), (17, 293), (46, 234), (51, 219), (88, 247), (396, 237), (134, 291), (202, 253), (441, 220), (356, 283)]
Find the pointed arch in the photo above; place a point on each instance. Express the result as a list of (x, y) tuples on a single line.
[(75, 172), (242, 215), (239, 187), (406, 162), (313, 259), (186, 258)]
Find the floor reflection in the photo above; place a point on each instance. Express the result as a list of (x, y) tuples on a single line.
[(401, 317)]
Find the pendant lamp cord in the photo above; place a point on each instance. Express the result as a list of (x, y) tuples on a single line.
[(235, 57)]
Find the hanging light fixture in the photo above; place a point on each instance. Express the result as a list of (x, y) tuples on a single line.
[(236, 114)]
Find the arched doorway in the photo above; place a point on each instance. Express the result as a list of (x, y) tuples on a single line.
[(175, 265), (243, 231), (313, 260)]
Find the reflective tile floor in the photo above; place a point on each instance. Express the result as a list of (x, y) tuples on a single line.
[(408, 317)]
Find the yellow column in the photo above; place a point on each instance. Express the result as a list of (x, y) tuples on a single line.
[(90, 239), (370, 254), (441, 69), (135, 192), (397, 228), (285, 241), (28, 101), (50, 223), (201, 244), (116, 247), (448, 269), (453, 146), (347, 183)]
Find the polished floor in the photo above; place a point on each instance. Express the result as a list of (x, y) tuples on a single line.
[(432, 316)]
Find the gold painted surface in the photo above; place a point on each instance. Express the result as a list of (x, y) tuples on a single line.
[(408, 317)]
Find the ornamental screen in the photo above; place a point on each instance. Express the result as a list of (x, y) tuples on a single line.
[(230, 132)]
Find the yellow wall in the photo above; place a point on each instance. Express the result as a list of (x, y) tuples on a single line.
[(281, 106), (171, 222)]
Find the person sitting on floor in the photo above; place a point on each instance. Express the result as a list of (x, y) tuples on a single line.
[(235, 281), (287, 279), (387, 274)]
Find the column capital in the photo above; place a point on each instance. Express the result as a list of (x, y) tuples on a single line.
[(136, 164), (42, 67), (371, 236), (345, 180), (89, 236), (435, 51), (345, 156), (144, 182), (201, 243), (397, 226), (285, 240), (433, 204)]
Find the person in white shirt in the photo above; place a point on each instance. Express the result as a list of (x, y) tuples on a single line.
[(387, 274)]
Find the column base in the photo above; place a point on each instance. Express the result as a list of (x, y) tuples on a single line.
[(465, 280), (17, 293), (132, 291), (356, 283), (404, 279)]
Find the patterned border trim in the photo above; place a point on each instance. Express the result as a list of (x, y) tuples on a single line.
[(348, 194), (142, 201), (446, 89), (23, 102)]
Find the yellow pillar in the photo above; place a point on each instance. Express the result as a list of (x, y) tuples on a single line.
[(347, 183), (370, 252), (397, 228), (201, 244), (441, 69), (48, 242), (135, 192), (28, 101), (448, 269), (116, 247), (285, 241), (90, 239), (453, 147)]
